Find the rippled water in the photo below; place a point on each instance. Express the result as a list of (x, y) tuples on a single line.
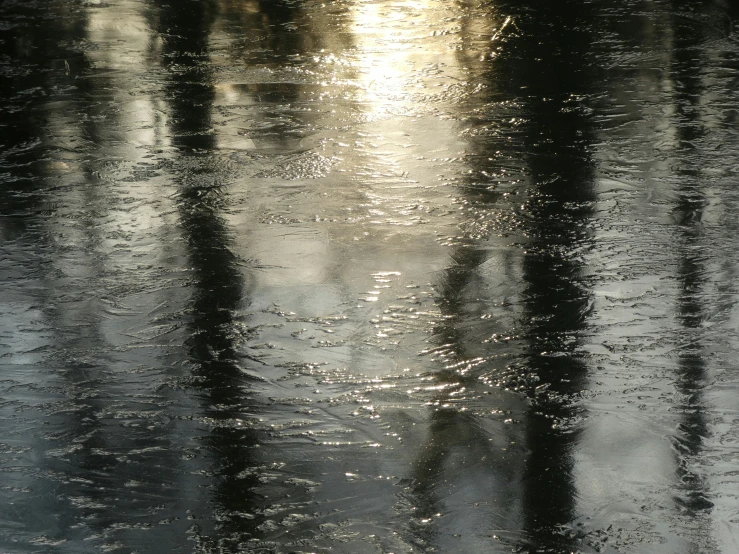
[(369, 276)]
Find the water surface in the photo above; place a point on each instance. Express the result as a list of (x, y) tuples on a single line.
[(369, 276)]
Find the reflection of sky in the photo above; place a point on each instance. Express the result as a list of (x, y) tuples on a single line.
[(386, 51), (403, 49), (131, 121), (124, 53)]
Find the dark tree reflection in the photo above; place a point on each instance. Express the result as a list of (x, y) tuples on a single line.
[(557, 133), (545, 70), (685, 76), (219, 288)]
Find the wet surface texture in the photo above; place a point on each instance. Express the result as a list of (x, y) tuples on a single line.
[(369, 276)]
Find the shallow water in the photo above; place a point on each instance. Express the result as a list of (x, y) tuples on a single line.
[(369, 276)]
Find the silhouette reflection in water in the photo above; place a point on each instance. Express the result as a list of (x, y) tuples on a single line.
[(684, 74), (549, 78), (219, 289), (558, 136)]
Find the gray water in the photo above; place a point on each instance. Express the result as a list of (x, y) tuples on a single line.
[(369, 276)]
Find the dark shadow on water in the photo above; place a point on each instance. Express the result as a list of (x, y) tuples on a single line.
[(685, 75), (272, 22), (219, 288), (558, 134)]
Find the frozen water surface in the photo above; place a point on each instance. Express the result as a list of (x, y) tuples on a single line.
[(369, 276)]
